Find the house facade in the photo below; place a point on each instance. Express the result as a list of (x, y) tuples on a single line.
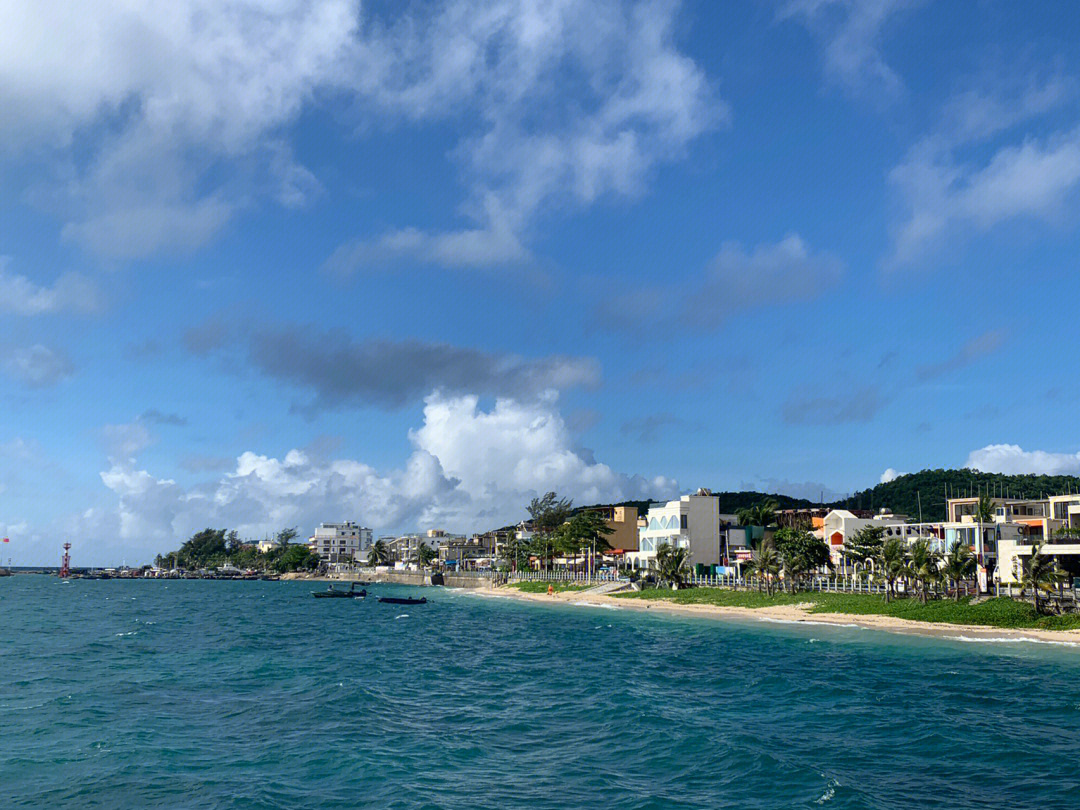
[(340, 542)]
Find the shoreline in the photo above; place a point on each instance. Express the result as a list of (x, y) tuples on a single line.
[(793, 614)]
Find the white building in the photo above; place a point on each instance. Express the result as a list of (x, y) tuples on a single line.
[(840, 525), (340, 542), (691, 522)]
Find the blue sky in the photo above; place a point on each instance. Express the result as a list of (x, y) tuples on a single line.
[(270, 263)]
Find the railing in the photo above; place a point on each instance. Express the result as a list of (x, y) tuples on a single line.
[(560, 576)]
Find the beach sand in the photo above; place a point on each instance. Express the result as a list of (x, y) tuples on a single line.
[(800, 615)]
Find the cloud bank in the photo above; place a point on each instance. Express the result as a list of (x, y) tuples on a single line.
[(469, 469)]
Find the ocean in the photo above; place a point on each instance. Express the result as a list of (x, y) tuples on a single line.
[(171, 694)]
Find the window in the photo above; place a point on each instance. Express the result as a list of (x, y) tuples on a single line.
[(682, 521)]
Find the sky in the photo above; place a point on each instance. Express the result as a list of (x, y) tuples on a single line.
[(265, 263)]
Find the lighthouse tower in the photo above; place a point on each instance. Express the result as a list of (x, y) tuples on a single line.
[(65, 561)]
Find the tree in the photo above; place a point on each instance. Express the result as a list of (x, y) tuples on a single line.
[(425, 554), (203, 548), (765, 566), (516, 550), (923, 566), (284, 536), (800, 552), (671, 563), (297, 558), (379, 554), (1040, 572), (893, 564), (548, 513), (762, 514), (865, 545), (959, 564), (584, 532), (985, 508)]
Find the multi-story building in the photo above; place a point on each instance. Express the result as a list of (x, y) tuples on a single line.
[(623, 522), (468, 552), (340, 542), (406, 548), (691, 522)]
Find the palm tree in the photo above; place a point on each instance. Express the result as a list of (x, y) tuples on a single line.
[(766, 566), (1040, 572), (959, 564), (761, 514), (425, 554), (985, 508), (379, 554), (671, 563), (924, 566), (893, 564)]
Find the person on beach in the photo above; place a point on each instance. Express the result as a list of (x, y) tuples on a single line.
[(551, 590)]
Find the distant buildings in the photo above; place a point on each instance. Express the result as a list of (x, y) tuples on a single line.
[(340, 542), (692, 522)]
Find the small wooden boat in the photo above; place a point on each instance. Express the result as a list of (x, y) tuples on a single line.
[(340, 593), (403, 600)]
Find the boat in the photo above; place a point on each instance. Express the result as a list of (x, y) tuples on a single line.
[(340, 593), (403, 600)]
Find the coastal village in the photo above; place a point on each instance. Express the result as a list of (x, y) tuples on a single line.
[(1001, 535), (985, 546)]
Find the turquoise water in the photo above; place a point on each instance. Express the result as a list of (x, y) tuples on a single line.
[(129, 694)]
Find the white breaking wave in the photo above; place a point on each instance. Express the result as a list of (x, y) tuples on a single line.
[(807, 621), (597, 604), (1011, 640)]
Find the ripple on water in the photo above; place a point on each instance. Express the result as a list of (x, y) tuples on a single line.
[(254, 695)]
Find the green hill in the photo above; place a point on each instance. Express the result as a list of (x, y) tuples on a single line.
[(930, 487)]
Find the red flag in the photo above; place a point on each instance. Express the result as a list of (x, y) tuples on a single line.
[(6, 540)]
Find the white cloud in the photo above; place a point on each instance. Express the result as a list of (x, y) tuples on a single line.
[(949, 187), (166, 102), (469, 469), (637, 101), (38, 366), (850, 33), (1011, 459), (152, 123), (19, 295), (890, 475)]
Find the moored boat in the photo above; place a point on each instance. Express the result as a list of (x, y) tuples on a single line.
[(403, 600), (340, 593)]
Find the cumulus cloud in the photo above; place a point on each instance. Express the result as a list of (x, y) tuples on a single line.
[(890, 475), (71, 292), (850, 33), (1011, 459), (469, 469), (38, 366), (342, 372), (166, 119)]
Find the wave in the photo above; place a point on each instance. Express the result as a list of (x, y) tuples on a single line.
[(597, 604), (807, 621), (1011, 640)]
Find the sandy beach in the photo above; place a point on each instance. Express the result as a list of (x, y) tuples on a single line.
[(797, 614)]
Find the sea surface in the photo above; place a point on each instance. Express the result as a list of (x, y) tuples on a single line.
[(168, 694)]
